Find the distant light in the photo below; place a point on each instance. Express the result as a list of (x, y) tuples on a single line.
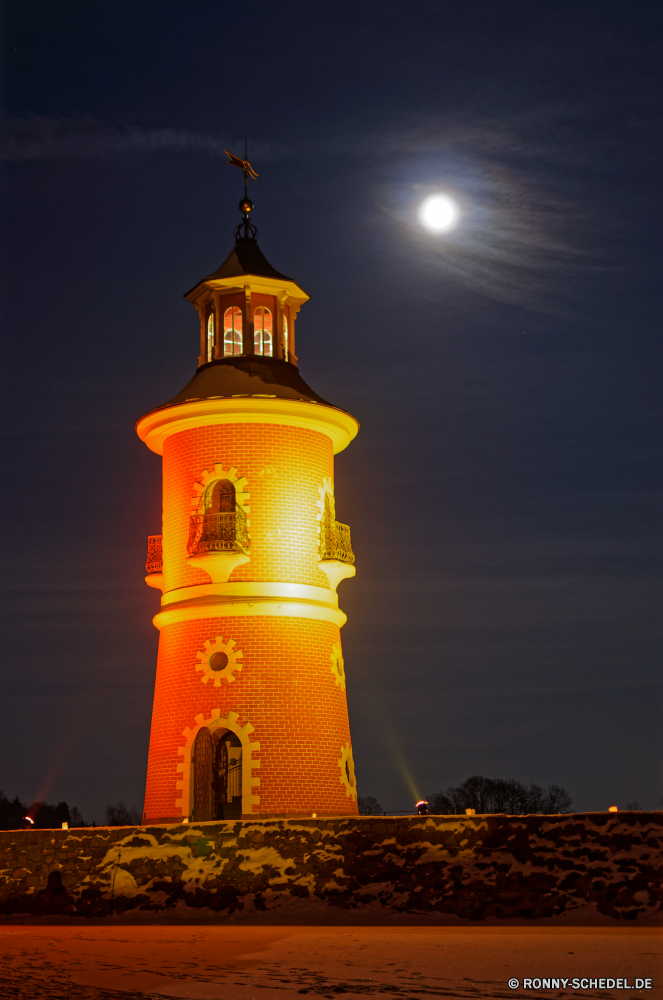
[(613, 809), (422, 807), (439, 213), (30, 820)]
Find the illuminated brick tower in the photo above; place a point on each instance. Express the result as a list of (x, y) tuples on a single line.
[(250, 714)]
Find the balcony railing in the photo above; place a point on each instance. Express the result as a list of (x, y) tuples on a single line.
[(154, 563), (218, 533), (335, 542)]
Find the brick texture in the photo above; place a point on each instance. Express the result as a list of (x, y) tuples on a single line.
[(286, 688), (284, 468)]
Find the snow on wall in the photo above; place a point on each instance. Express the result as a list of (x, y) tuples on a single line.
[(474, 867)]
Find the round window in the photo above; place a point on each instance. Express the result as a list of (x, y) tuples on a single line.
[(218, 661)]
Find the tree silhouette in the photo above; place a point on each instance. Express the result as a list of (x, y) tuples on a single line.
[(44, 816), (369, 806), (118, 814), (498, 795)]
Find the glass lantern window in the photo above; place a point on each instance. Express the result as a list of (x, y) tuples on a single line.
[(209, 353), (285, 337), (262, 331), (232, 331)]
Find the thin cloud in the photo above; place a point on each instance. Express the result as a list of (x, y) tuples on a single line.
[(563, 132), (533, 231), (51, 138)]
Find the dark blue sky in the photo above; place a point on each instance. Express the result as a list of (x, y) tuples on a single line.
[(504, 491)]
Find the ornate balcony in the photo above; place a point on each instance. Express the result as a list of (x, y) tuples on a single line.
[(218, 543), (218, 533), (154, 562), (336, 556), (335, 542)]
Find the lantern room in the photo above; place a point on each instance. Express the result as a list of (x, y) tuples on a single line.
[(246, 308)]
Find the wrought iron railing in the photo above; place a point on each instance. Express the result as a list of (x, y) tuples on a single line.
[(234, 780), (154, 563), (335, 542), (218, 533)]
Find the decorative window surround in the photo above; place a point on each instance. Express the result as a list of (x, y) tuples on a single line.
[(205, 661), (249, 763), (347, 766)]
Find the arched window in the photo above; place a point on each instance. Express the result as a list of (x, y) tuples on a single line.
[(209, 354), (203, 759), (285, 337), (262, 331), (222, 497), (232, 331)]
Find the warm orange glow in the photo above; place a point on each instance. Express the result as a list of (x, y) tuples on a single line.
[(210, 337), (249, 623), (285, 689), (284, 528), (262, 331), (155, 427), (232, 331), (613, 809)]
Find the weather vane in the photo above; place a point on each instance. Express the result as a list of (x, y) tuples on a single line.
[(245, 205)]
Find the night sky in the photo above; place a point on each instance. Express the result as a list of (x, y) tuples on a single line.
[(504, 490)]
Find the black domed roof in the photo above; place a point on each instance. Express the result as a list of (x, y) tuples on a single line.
[(244, 259), (247, 375)]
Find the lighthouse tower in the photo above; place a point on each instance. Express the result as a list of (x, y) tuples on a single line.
[(250, 713)]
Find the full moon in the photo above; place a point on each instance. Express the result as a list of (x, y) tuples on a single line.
[(439, 213)]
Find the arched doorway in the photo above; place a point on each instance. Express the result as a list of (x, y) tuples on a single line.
[(217, 776)]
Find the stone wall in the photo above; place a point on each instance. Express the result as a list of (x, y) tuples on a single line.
[(581, 867)]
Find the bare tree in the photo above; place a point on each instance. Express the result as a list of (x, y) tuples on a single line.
[(557, 800), (441, 804), (117, 814), (76, 817), (369, 806), (498, 795)]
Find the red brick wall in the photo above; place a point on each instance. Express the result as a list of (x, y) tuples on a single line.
[(286, 688), (284, 467)]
